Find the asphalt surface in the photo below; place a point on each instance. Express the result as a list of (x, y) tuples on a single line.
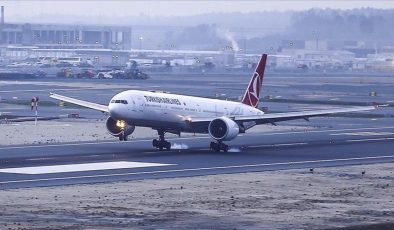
[(26, 166), (339, 141)]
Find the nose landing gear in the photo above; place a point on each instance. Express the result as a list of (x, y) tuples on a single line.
[(219, 146), (122, 137), (161, 143)]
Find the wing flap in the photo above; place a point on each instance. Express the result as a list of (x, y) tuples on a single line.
[(90, 105)]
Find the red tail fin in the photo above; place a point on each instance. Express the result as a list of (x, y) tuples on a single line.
[(252, 94)]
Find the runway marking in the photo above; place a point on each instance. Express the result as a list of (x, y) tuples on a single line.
[(363, 134), (189, 138), (371, 139), (80, 167), (277, 145), (96, 143), (197, 169), (53, 158), (41, 159), (15, 108), (36, 90)]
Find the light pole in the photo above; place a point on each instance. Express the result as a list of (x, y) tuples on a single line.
[(140, 38), (314, 34)]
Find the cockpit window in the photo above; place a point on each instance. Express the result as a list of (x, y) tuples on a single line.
[(119, 102)]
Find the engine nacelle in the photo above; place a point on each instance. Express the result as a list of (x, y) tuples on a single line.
[(117, 127), (223, 129)]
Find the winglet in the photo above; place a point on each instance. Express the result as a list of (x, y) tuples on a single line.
[(252, 93)]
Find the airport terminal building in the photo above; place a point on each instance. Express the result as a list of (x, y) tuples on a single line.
[(101, 44), (46, 36)]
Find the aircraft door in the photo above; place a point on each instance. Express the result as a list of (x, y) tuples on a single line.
[(140, 104)]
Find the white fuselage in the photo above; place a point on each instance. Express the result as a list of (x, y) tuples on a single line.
[(171, 111)]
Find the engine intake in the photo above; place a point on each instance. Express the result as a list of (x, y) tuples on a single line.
[(117, 127), (223, 129)]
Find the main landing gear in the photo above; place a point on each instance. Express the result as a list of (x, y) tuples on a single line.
[(161, 143), (219, 146)]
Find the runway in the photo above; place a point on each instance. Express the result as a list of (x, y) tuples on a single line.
[(337, 141), (75, 163)]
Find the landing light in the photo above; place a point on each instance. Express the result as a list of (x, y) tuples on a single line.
[(121, 124)]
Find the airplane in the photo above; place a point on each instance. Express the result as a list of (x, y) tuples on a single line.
[(174, 113)]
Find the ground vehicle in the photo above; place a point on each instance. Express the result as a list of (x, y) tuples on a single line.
[(64, 64), (66, 72), (136, 74), (104, 75), (86, 73)]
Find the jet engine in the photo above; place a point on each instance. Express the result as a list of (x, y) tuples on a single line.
[(119, 127), (223, 129)]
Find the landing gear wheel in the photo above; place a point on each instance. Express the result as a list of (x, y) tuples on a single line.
[(122, 137), (155, 143), (161, 143), (224, 147), (220, 146), (167, 145), (212, 145)]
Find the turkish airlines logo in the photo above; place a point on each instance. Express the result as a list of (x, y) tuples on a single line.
[(254, 90), (256, 85), (252, 94)]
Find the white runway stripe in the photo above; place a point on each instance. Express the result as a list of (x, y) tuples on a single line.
[(363, 134), (199, 169), (80, 167)]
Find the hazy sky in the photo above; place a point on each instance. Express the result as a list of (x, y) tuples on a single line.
[(186, 7)]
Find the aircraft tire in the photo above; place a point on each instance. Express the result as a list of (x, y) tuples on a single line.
[(155, 143), (212, 145), (223, 147), (167, 145), (215, 146)]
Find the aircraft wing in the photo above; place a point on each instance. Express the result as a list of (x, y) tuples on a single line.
[(276, 117), (90, 105)]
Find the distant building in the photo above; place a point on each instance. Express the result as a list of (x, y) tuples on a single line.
[(292, 58), (380, 62), (48, 36), (316, 45)]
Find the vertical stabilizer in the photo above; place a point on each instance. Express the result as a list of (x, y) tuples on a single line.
[(252, 94)]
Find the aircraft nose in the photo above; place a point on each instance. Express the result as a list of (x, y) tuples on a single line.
[(114, 110)]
